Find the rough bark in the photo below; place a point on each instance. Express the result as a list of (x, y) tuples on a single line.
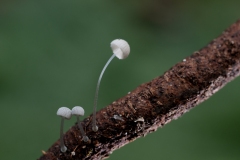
[(156, 103)]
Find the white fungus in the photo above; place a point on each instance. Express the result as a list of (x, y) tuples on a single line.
[(141, 119), (79, 111), (118, 117), (121, 50), (64, 113)]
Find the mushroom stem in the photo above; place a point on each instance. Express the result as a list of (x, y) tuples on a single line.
[(85, 138), (62, 145), (94, 125)]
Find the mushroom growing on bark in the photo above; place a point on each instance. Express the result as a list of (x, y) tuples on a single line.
[(79, 111), (121, 50), (64, 113)]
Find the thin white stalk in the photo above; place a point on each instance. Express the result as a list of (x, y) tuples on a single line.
[(62, 145), (94, 124), (85, 138)]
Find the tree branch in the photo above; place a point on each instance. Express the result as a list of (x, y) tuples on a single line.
[(156, 103)]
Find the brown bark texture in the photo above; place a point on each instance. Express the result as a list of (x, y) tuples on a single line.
[(156, 103)]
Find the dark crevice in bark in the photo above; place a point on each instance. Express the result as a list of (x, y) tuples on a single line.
[(156, 103)]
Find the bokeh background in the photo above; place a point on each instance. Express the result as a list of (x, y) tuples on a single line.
[(52, 52)]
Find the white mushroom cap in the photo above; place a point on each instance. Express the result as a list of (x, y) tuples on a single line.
[(64, 112), (78, 111), (120, 48)]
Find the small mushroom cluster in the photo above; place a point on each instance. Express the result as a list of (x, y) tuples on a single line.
[(66, 113), (121, 50)]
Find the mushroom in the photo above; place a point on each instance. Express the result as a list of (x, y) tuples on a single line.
[(64, 113), (121, 50), (79, 111)]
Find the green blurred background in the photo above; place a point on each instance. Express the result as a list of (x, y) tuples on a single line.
[(52, 52)]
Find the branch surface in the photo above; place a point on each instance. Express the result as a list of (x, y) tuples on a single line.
[(156, 103)]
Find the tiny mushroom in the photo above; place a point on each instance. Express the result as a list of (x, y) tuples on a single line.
[(121, 50), (79, 111), (64, 113)]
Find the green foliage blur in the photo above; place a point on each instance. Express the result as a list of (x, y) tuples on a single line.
[(52, 52)]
